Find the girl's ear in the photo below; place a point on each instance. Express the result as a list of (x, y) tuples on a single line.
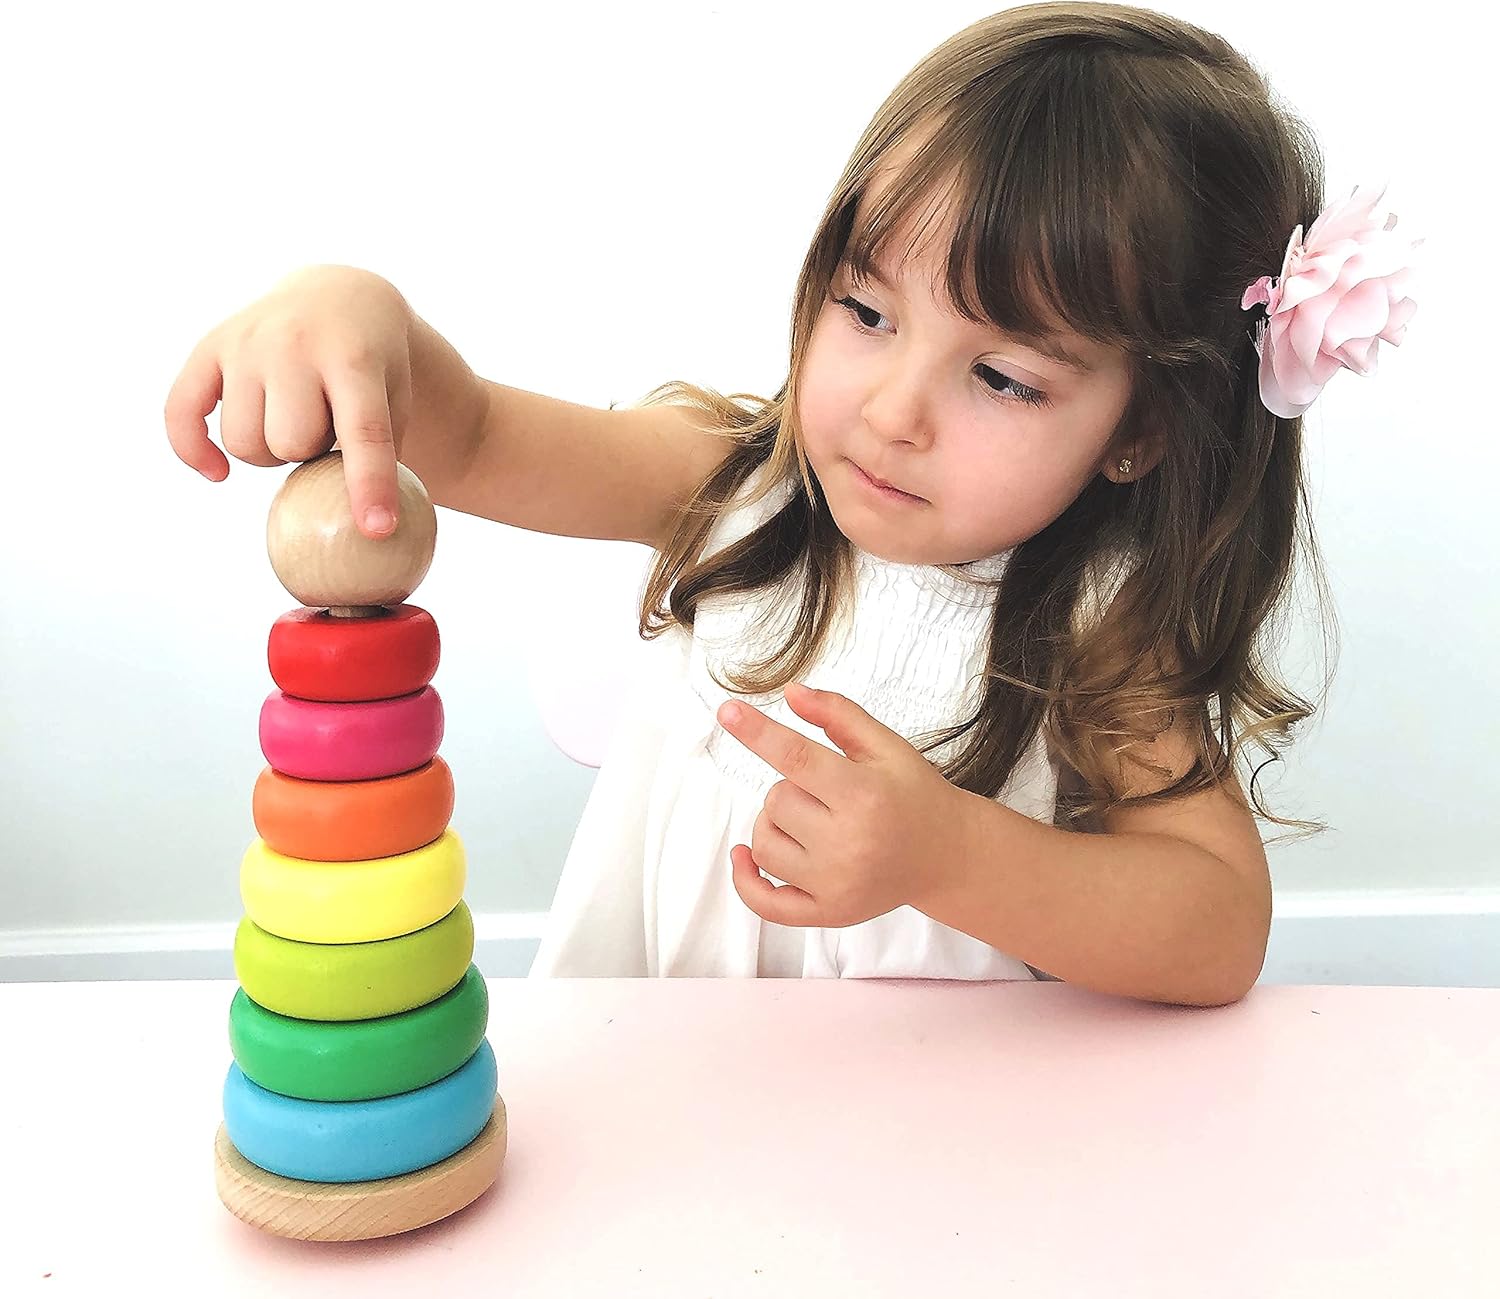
[(1143, 452)]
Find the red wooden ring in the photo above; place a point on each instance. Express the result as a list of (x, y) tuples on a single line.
[(314, 655)]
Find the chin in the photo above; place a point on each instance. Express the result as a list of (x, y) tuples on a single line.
[(874, 540), (852, 516)]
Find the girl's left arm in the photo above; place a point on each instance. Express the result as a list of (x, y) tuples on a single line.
[(1170, 902)]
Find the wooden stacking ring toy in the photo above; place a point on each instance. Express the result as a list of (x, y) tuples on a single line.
[(361, 1100), (352, 901), (342, 981), (363, 1059), (333, 820), (314, 654), (314, 740)]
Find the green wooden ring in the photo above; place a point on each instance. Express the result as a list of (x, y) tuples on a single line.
[(359, 1060), (343, 981)]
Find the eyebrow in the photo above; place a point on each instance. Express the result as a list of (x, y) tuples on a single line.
[(1047, 345)]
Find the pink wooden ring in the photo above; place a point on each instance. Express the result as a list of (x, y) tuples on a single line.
[(360, 741)]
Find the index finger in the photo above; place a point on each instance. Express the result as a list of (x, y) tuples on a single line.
[(193, 395), (362, 424), (815, 767)]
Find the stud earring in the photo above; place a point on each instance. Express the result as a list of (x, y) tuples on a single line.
[(1126, 465)]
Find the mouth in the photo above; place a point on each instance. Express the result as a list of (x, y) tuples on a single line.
[(887, 490)]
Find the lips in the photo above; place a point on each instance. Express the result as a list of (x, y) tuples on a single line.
[(881, 482)]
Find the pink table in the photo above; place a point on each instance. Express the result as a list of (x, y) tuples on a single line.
[(840, 1139)]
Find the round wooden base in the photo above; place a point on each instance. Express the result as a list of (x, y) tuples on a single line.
[(284, 1206)]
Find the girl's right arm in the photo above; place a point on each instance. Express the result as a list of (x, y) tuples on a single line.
[(334, 351)]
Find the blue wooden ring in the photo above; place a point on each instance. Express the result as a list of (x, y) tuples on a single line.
[(359, 1141)]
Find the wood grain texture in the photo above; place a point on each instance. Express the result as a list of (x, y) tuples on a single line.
[(284, 1206), (321, 556)]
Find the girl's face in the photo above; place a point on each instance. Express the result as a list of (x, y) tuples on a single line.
[(989, 438)]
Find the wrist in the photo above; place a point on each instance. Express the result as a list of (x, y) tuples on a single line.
[(960, 853), (450, 411)]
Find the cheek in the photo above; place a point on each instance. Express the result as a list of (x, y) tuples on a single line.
[(814, 411), (825, 395), (1012, 478)]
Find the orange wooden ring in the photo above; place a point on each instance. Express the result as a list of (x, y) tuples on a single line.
[(353, 820)]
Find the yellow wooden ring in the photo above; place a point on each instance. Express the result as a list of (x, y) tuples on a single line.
[(344, 981), (352, 901)]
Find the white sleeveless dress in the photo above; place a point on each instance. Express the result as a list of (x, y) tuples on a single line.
[(646, 889)]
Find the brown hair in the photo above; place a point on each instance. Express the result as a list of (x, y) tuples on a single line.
[(1128, 174)]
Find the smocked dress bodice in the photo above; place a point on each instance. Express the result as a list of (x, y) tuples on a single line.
[(646, 888)]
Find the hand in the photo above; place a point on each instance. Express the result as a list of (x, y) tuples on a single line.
[(325, 354), (855, 834)]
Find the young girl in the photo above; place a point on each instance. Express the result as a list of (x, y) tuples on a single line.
[(950, 648)]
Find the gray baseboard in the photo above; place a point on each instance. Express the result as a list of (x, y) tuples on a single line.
[(1438, 938), (1411, 938)]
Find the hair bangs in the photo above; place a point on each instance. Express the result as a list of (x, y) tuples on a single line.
[(1015, 185)]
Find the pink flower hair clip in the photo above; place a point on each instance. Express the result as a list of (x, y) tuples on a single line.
[(1340, 292)]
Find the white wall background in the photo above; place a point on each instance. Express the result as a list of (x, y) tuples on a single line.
[(588, 200)]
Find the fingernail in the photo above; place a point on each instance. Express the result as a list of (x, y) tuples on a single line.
[(730, 713), (378, 519)]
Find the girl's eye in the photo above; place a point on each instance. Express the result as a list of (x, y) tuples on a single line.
[(992, 378), (858, 310), (1019, 390)]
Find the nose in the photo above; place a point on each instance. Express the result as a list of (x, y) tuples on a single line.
[(898, 406)]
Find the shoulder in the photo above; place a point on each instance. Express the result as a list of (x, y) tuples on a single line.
[(1217, 816)]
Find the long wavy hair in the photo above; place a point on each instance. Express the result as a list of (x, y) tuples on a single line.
[(1128, 174)]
